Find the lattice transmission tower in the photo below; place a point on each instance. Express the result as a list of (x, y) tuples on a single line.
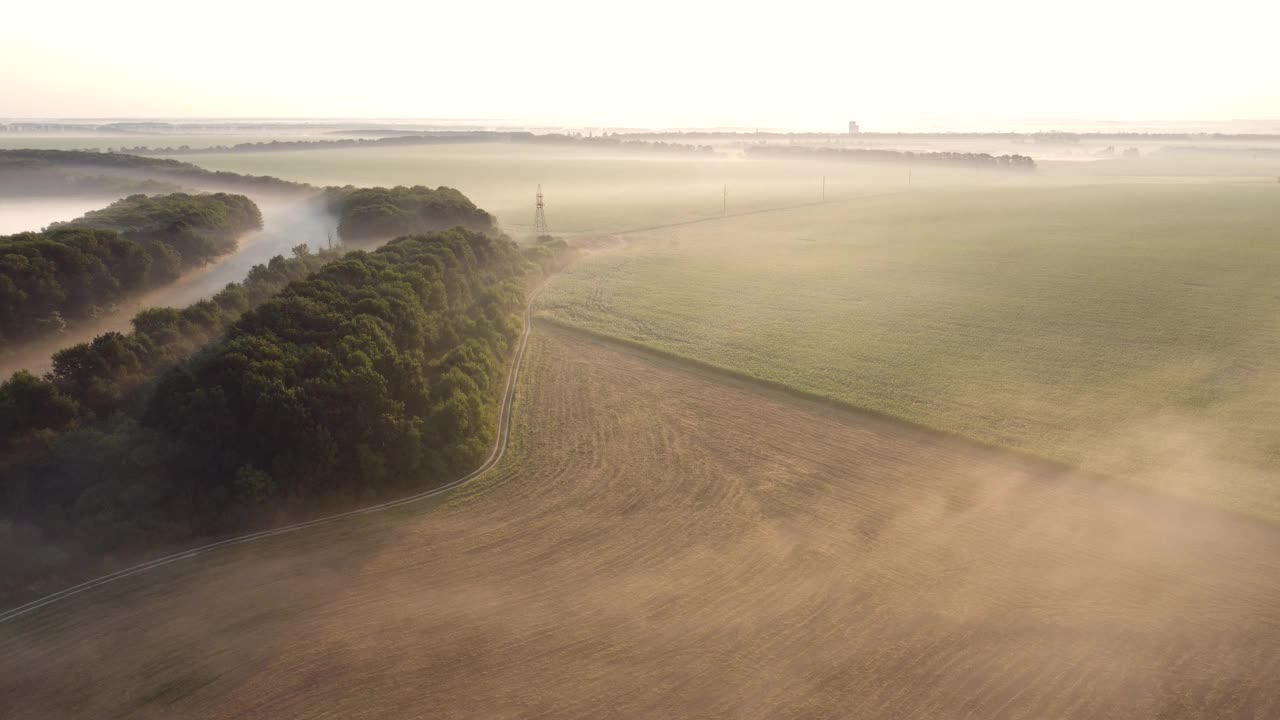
[(540, 217)]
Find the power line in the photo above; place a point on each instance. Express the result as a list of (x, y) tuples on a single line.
[(540, 217)]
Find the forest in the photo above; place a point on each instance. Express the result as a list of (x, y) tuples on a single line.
[(369, 214), (196, 227), (377, 372), (77, 270), (975, 160), (90, 381)]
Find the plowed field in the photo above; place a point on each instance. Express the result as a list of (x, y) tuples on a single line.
[(663, 543)]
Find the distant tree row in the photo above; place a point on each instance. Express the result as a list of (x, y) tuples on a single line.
[(1268, 153), (403, 139), (24, 178), (368, 214), (408, 138), (619, 141), (977, 160), (17, 166), (379, 372), (76, 270), (1053, 136)]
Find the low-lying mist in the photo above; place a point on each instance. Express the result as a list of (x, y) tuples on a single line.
[(287, 223), (33, 214)]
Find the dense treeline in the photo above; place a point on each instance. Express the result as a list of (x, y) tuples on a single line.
[(92, 380), (197, 228), (379, 371), (76, 270), (366, 214), (977, 160), (16, 166), (70, 441)]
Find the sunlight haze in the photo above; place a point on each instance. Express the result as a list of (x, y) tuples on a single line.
[(568, 360), (802, 65)]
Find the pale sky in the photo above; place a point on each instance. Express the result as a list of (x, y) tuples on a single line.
[(797, 64)]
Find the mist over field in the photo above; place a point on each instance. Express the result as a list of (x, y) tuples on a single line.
[(911, 361), (1008, 413)]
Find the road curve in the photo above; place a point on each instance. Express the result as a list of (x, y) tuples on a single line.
[(495, 455)]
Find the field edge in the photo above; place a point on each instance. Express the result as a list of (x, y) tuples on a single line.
[(830, 405)]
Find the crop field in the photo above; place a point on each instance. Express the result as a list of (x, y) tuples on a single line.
[(666, 543), (1126, 328)]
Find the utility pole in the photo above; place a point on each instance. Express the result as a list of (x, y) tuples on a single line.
[(724, 203), (824, 188), (539, 216)]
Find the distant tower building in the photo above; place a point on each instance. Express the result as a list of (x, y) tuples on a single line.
[(540, 217), (853, 128)]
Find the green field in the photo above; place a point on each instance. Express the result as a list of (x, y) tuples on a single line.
[(1130, 329)]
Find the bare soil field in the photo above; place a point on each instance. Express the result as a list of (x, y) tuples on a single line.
[(1126, 330), (663, 543)]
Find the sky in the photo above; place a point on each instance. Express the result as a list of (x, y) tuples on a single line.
[(800, 65)]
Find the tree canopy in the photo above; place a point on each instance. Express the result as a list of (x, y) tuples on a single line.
[(97, 378), (377, 372), (377, 213), (76, 270)]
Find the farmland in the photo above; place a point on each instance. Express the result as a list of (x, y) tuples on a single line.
[(1113, 315), (670, 536), (885, 362), (665, 543), (1128, 328)]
